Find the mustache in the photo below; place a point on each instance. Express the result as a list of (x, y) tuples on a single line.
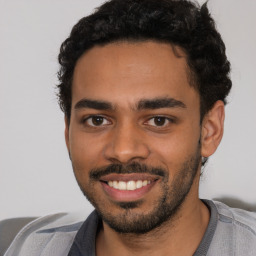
[(97, 173)]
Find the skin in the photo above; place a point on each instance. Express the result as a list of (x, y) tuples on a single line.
[(123, 74)]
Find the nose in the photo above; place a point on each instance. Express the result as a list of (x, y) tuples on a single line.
[(126, 144)]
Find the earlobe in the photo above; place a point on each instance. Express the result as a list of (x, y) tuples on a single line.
[(212, 129)]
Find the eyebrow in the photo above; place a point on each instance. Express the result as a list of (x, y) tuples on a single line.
[(95, 104), (160, 103), (143, 104)]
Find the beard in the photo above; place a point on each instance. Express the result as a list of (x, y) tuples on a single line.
[(165, 207)]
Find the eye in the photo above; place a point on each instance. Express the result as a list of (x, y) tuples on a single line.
[(95, 121), (159, 121)]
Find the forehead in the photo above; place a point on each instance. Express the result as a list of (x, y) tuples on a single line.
[(125, 72)]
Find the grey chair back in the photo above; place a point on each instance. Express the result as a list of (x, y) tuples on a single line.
[(9, 228)]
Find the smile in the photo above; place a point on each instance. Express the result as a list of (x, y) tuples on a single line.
[(129, 185)]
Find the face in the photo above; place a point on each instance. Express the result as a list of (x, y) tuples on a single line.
[(134, 133)]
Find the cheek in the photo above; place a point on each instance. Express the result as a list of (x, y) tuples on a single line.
[(174, 148), (85, 153)]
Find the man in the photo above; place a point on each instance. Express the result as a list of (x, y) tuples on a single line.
[(143, 84)]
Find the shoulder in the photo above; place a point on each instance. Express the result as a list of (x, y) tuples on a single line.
[(244, 220), (235, 233), (51, 233)]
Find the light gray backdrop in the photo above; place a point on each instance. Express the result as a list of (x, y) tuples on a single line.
[(36, 177)]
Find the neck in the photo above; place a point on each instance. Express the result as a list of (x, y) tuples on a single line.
[(179, 236)]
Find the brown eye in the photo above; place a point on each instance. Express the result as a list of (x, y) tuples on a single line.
[(159, 120), (96, 121)]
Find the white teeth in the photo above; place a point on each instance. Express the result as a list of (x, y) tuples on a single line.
[(139, 184), (129, 185), (122, 185), (115, 184), (144, 183)]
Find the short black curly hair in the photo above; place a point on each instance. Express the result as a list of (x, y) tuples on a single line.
[(178, 22)]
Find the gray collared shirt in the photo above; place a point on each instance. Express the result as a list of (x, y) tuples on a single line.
[(220, 238), (230, 232)]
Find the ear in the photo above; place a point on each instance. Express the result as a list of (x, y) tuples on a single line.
[(212, 129), (67, 133)]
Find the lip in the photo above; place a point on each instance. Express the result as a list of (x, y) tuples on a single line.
[(127, 195)]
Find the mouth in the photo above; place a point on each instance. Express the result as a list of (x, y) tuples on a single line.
[(127, 187)]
